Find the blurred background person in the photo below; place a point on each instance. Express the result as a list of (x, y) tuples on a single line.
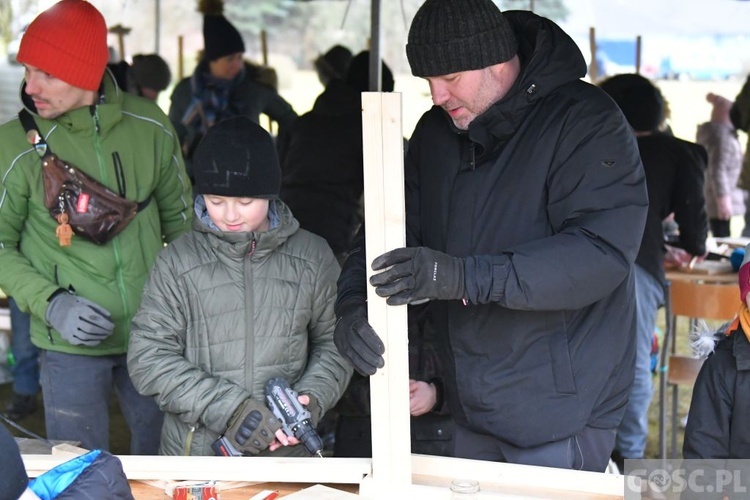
[(674, 178), (223, 85), (147, 76), (321, 159), (333, 65), (719, 136)]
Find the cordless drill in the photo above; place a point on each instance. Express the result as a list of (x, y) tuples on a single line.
[(295, 420)]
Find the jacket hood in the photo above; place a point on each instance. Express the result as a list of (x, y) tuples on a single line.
[(549, 60), (338, 99)]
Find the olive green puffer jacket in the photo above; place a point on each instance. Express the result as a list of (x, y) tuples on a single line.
[(224, 312)]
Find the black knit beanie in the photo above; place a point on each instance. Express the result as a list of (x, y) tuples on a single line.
[(237, 158), (450, 36), (220, 38)]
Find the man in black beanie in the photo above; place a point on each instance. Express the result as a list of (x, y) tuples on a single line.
[(526, 202)]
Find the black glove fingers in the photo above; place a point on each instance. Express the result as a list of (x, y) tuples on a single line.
[(363, 356), (395, 273), (393, 257), (362, 366), (369, 336), (402, 285), (400, 299)]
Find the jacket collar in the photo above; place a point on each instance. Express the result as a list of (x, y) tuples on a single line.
[(549, 60), (239, 245)]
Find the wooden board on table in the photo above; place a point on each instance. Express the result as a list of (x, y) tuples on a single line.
[(710, 267), (736, 242)]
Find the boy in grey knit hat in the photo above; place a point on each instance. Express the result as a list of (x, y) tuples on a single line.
[(526, 202)]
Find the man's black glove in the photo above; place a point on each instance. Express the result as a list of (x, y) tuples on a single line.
[(357, 341), (79, 321), (252, 427), (418, 274)]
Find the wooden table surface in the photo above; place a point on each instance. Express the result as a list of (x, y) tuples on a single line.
[(143, 491), (674, 275)]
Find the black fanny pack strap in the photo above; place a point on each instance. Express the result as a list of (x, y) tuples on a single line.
[(38, 142), (144, 203)]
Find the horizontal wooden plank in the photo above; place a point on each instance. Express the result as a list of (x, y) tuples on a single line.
[(261, 469)]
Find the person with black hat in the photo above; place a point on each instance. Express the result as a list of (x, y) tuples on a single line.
[(147, 76), (333, 65), (675, 179), (82, 292), (222, 86), (525, 206), (244, 297)]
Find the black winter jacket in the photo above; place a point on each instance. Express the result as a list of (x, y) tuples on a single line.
[(545, 199), (675, 171), (718, 424), (321, 161)]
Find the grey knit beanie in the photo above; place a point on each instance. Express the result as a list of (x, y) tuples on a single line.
[(450, 36)]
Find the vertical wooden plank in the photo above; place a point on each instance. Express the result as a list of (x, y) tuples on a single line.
[(386, 229)]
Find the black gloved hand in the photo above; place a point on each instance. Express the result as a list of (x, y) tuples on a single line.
[(252, 427), (418, 274), (357, 341), (79, 321)]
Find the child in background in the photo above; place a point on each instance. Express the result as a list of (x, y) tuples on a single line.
[(718, 424), (723, 198), (246, 296)]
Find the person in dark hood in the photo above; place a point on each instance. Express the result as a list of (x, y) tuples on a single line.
[(321, 159), (525, 206)]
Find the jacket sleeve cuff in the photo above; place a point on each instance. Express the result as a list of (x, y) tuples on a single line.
[(484, 278)]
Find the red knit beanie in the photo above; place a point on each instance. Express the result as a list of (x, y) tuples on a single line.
[(68, 41)]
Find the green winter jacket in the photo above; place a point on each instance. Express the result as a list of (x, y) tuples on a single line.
[(222, 313), (125, 141)]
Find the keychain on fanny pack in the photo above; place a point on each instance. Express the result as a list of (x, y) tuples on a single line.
[(63, 231)]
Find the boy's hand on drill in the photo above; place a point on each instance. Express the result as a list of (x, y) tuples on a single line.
[(282, 439), (252, 427)]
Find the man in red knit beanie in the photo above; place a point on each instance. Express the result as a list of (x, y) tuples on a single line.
[(81, 293)]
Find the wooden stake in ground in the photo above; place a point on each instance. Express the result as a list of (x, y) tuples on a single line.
[(593, 67), (120, 31)]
